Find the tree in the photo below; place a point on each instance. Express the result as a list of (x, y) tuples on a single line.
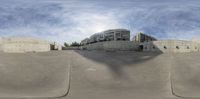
[(66, 44), (75, 44)]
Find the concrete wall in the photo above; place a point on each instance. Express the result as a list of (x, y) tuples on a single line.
[(24, 44), (1, 44), (171, 46), (197, 40), (95, 46), (25, 47), (111, 45)]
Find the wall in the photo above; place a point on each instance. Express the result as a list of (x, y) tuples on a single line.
[(94, 46), (197, 40), (24, 44), (171, 46), (1, 44), (111, 45), (25, 47)]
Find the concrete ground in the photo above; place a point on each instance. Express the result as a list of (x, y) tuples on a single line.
[(99, 75), (34, 75)]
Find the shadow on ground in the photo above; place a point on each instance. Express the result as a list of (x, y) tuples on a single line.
[(116, 60)]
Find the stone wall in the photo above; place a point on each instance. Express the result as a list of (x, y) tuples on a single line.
[(111, 45)]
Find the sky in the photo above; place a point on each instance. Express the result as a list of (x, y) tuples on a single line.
[(74, 20)]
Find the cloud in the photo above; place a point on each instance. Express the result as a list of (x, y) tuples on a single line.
[(88, 23), (68, 21)]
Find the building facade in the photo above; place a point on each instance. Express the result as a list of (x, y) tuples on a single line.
[(117, 35), (85, 41), (140, 37), (108, 35)]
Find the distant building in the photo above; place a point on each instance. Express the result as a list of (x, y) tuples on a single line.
[(55, 46), (117, 35), (108, 35), (140, 37), (85, 41)]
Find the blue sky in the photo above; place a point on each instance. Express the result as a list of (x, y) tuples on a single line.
[(73, 20)]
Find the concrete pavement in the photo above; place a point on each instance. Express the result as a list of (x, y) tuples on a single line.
[(34, 75), (99, 75)]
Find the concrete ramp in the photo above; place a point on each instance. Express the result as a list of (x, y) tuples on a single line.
[(186, 75)]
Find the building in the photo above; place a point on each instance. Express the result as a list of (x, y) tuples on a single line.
[(55, 46), (119, 39), (108, 35), (85, 41), (24, 44), (140, 37), (117, 35)]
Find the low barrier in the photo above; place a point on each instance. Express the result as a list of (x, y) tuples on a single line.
[(111, 45), (175, 46)]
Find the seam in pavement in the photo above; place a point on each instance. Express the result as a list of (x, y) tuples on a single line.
[(56, 97), (172, 85)]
